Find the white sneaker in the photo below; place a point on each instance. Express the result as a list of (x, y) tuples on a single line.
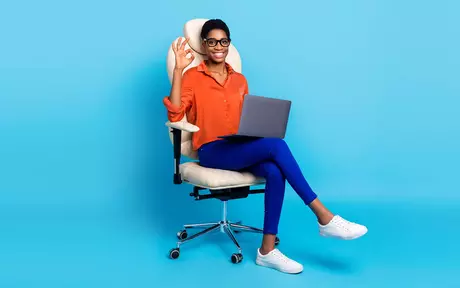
[(277, 260), (342, 229)]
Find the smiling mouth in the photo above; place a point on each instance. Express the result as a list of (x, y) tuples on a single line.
[(218, 54)]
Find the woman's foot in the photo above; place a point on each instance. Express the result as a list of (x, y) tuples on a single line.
[(342, 229), (277, 260)]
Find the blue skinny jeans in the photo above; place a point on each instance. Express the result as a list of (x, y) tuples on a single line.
[(270, 158)]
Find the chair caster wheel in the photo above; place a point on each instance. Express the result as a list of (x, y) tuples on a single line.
[(174, 253), (277, 241), (182, 235), (237, 258)]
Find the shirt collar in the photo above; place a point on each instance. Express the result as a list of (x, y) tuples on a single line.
[(203, 68)]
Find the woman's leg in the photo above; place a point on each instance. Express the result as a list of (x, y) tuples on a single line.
[(275, 185), (239, 155), (274, 197)]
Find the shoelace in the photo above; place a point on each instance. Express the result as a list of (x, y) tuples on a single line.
[(281, 256), (342, 223)]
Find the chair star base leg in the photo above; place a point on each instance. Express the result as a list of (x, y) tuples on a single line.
[(245, 228)]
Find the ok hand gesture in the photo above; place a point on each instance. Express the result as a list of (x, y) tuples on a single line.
[(182, 61)]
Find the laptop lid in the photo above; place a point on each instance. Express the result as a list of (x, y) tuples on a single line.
[(264, 117)]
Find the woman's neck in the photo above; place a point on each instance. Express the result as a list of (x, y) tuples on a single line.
[(216, 67)]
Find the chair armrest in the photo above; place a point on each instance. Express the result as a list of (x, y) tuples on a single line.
[(183, 126), (177, 128)]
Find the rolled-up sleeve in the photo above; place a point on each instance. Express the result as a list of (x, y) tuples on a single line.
[(246, 88), (176, 113)]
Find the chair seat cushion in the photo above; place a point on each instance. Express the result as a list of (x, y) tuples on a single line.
[(210, 178)]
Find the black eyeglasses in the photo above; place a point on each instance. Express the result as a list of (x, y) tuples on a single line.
[(224, 42)]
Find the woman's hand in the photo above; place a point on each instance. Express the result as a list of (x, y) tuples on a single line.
[(182, 61)]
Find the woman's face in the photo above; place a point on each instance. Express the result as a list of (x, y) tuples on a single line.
[(216, 45)]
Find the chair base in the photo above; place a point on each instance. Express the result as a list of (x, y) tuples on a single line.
[(224, 226)]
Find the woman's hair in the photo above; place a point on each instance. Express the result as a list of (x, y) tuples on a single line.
[(214, 24)]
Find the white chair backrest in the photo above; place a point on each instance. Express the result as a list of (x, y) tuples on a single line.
[(192, 29)]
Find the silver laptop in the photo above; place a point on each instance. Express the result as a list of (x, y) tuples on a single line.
[(262, 117)]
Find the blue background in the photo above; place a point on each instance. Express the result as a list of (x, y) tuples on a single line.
[(86, 193)]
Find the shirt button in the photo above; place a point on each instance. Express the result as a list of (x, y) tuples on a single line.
[(225, 100)]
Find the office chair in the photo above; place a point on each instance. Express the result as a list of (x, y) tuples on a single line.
[(220, 184)]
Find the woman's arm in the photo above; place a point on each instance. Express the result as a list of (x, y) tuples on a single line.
[(181, 95), (180, 99)]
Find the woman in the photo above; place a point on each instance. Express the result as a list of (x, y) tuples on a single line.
[(211, 96)]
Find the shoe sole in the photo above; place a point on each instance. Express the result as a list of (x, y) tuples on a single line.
[(279, 269), (343, 238)]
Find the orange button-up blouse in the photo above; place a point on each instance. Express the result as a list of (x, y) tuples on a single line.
[(213, 107)]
